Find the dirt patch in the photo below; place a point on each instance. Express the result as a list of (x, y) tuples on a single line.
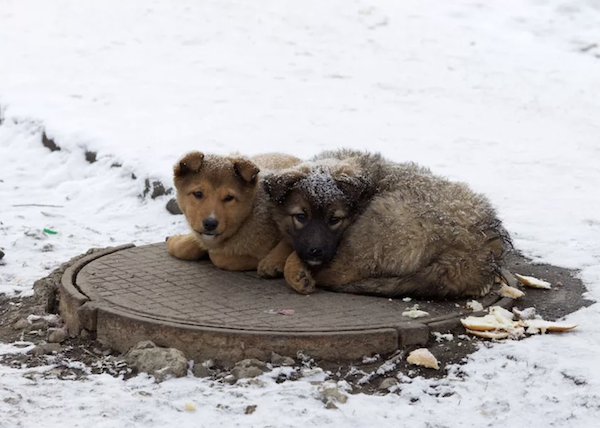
[(33, 324)]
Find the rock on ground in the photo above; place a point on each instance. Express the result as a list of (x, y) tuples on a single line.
[(248, 368), (156, 361)]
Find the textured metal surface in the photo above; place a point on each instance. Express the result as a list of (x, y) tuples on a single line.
[(129, 294), (147, 281)]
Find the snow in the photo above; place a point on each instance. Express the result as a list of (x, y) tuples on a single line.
[(500, 94)]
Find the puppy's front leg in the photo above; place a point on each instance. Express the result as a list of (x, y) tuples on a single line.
[(273, 264), (185, 247), (298, 276), (235, 263), (337, 273)]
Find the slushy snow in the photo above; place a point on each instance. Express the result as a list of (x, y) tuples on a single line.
[(500, 94)]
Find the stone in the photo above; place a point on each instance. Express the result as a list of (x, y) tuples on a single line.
[(57, 335), (245, 372), (20, 324), (161, 363), (173, 207), (155, 189), (47, 248), (248, 368), (230, 379), (145, 344), (251, 362), (49, 143), (45, 349), (38, 321), (387, 383), (278, 360), (205, 369), (250, 409), (45, 290), (90, 156), (36, 350), (51, 348), (200, 371), (1, 254)]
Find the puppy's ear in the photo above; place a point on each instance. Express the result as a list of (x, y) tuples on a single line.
[(190, 163), (279, 185), (246, 170), (356, 189)]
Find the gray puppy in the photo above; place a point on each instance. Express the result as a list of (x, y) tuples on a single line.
[(361, 224)]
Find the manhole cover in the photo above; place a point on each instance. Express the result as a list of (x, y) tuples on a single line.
[(128, 294)]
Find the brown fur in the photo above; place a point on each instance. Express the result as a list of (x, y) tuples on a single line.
[(399, 231), (226, 211)]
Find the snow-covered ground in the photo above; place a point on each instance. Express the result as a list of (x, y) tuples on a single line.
[(501, 94)]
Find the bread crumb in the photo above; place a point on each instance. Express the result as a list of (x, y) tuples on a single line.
[(474, 305)]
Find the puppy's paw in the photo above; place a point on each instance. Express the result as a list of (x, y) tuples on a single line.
[(185, 247), (298, 276), (270, 268), (303, 282)]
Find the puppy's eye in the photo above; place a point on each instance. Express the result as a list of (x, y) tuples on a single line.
[(301, 217), (228, 198), (198, 194), (334, 220)]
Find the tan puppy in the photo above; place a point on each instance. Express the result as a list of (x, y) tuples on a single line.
[(227, 212), (361, 224)]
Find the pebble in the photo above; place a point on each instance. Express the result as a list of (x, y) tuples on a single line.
[(20, 324), (1, 254), (278, 360), (201, 371), (173, 207), (156, 361), (57, 335), (51, 348), (245, 372), (45, 349), (248, 368), (387, 383), (36, 350), (47, 248)]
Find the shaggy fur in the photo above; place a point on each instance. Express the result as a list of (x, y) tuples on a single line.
[(225, 207), (361, 224)]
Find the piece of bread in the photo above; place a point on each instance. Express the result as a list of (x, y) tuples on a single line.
[(511, 292), (415, 313), (541, 326), (423, 357), (533, 282), (497, 334)]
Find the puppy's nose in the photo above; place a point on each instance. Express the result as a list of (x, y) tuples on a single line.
[(210, 224), (315, 252)]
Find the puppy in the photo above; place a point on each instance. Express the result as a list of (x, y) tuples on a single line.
[(361, 224), (226, 209)]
